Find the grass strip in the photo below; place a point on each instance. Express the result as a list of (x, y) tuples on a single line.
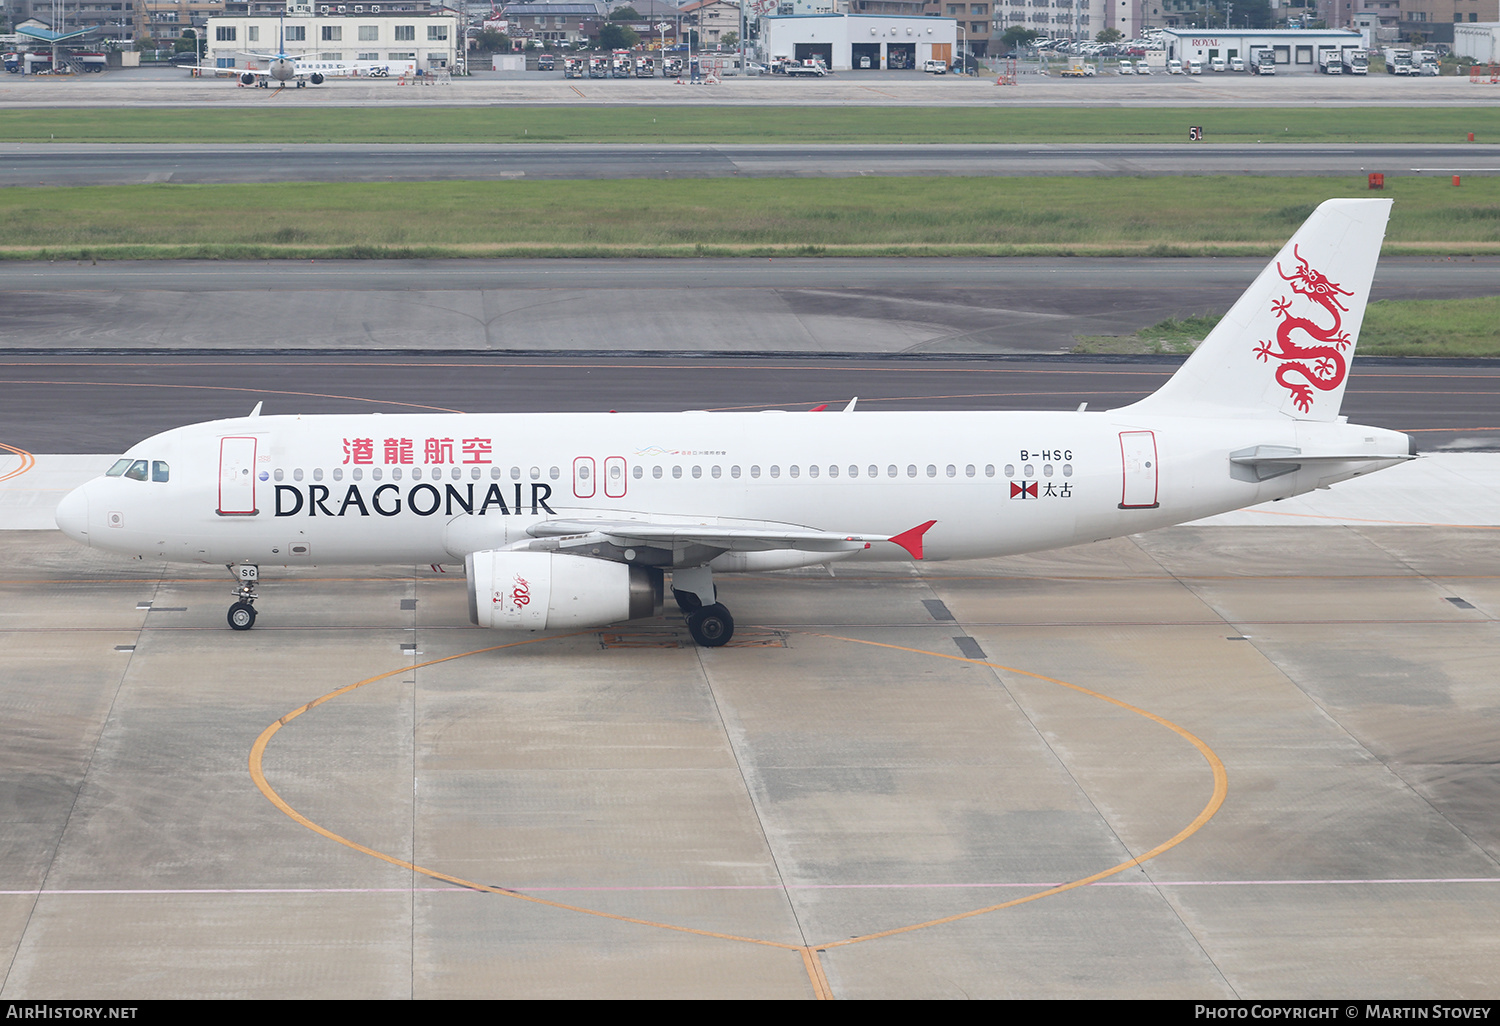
[(1392, 327), (1002, 123), (724, 217)]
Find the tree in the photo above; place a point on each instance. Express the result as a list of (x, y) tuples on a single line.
[(1016, 37), (626, 13), (615, 36), (730, 40), (491, 41), (1109, 35)]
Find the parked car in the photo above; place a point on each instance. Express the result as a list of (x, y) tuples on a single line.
[(936, 67), (1126, 68), (1236, 64), (1217, 64)]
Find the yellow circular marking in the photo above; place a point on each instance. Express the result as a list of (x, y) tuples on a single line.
[(809, 952), (27, 462)]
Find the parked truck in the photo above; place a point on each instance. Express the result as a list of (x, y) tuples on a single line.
[(1355, 62), (1397, 61), (1330, 62)]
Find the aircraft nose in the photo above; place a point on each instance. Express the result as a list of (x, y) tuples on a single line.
[(73, 514)]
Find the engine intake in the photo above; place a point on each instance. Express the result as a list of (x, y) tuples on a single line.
[(247, 79), (315, 78), (535, 591)]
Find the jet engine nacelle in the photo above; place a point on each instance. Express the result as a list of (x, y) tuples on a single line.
[(315, 78), (247, 79), (534, 591)]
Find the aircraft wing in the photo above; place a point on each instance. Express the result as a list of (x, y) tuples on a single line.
[(740, 536)]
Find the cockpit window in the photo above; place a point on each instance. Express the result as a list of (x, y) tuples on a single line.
[(137, 471), (119, 468), (160, 471)]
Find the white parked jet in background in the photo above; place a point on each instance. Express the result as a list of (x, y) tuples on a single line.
[(575, 520)]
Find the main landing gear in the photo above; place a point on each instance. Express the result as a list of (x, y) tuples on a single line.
[(242, 613), (707, 621)]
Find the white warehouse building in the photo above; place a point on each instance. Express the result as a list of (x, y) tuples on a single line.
[(1295, 50), (336, 32), (888, 40)]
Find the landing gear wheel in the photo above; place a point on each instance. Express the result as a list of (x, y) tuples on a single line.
[(711, 626), (242, 616)]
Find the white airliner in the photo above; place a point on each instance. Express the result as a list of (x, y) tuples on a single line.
[(574, 520), (288, 68)]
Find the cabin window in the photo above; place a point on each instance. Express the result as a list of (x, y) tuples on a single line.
[(754, 470), (1010, 470), (358, 473), (375, 473), (890, 471), (697, 472), (715, 472), (853, 471), (969, 470), (812, 471), (277, 473), (734, 471), (833, 471), (874, 471), (636, 473), (677, 472), (793, 470), (338, 473), (515, 473), (952, 470), (416, 473), (775, 470), (1030, 470), (656, 473), (1046, 470), (554, 473), (1067, 470), (536, 473), (160, 471), (989, 470), (494, 473), (931, 470), (297, 474)]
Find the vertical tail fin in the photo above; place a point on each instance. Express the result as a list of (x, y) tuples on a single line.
[(1285, 345)]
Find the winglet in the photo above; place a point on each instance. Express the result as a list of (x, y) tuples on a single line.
[(911, 540), (256, 412)]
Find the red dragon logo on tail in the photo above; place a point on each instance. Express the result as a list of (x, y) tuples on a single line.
[(1321, 367)]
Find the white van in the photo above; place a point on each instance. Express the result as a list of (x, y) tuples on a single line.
[(1217, 64), (1126, 68), (1174, 66), (936, 67), (1236, 64), (1192, 66)]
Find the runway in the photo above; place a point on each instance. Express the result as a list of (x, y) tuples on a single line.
[(30, 164), (114, 402), (996, 306)]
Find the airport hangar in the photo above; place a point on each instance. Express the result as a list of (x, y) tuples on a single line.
[(841, 39), (1296, 50)]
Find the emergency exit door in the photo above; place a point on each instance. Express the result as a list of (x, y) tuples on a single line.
[(1139, 469), (237, 477)]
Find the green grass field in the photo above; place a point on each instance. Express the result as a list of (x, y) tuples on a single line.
[(684, 124), (726, 217)]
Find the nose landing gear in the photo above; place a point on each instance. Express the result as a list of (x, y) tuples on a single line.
[(242, 613)]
